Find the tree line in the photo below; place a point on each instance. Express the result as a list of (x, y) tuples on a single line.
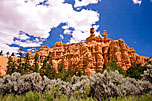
[(48, 70), (7, 53)]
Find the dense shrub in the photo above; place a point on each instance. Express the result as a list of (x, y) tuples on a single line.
[(112, 84), (148, 74), (63, 74), (18, 84), (80, 86), (106, 85), (112, 66), (136, 71), (59, 86)]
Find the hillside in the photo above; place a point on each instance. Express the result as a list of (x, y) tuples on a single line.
[(90, 56), (3, 64)]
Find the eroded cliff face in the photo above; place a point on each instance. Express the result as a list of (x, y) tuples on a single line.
[(3, 64), (91, 55)]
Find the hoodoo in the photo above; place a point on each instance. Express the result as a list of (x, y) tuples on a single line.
[(89, 56)]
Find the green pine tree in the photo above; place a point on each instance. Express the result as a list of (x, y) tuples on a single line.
[(136, 71), (11, 67), (44, 63), (27, 66), (49, 71), (112, 66), (20, 55), (1, 53), (36, 68), (79, 73), (43, 68), (20, 68), (7, 54), (12, 54), (49, 56)]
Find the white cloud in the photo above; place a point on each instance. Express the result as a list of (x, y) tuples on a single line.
[(27, 43), (38, 20), (79, 3), (23, 36), (79, 35), (68, 32), (31, 49), (35, 1), (8, 49), (81, 23), (61, 36), (137, 2)]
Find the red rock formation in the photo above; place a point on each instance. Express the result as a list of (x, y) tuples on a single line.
[(3, 64), (3, 71), (90, 56)]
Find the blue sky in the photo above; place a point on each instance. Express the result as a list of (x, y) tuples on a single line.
[(38, 23)]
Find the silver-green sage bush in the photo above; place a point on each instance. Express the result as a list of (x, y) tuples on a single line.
[(112, 84), (99, 85)]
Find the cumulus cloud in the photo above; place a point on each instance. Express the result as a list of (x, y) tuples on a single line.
[(79, 3), (137, 2), (68, 32), (28, 43), (35, 1), (22, 36), (79, 35), (31, 49), (37, 20)]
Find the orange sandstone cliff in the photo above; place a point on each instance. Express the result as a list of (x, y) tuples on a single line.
[(89, 56), (3, 64)]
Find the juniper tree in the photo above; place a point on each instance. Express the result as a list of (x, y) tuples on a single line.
[(48, 71), (1, 53), (136, 71), (44, 63), (27, 67), (36, 68), (7, 54), (49, 56), (12, 54), (112, 66), (61, 72), (20, 68), (79, 73), (43, 68), (11, 67)]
